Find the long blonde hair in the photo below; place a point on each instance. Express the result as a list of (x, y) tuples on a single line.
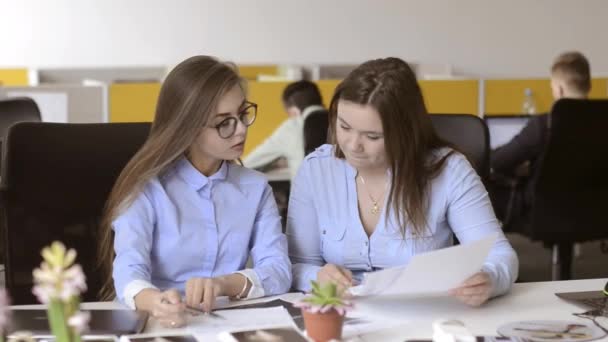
[(188, 97)]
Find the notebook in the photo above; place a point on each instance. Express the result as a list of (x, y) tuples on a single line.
[(103, 322)]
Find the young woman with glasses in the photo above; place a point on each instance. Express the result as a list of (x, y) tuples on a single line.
[(183, 218)]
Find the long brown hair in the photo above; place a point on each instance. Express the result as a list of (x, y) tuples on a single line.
[(389, 85), (188, 96)]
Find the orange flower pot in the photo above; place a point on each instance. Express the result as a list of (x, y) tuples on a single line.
[(323, 327)]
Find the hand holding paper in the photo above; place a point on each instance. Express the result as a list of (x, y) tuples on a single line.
[(429, 274)]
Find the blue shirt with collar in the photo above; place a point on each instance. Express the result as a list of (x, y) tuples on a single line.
[(184, 225), (323, 224)]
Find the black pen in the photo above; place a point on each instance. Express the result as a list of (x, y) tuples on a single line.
[(199, 310)]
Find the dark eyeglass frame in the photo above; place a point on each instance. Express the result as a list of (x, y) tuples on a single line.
[(233, 120)]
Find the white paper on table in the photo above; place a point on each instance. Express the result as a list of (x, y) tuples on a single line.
[(235, 320), (428, 274), (53, 106)]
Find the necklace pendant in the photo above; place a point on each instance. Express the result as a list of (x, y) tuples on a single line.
[(375, 209)]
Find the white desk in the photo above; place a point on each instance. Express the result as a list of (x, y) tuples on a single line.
[(526, 301)]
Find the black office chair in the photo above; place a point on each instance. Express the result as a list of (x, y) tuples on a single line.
[(469, 134), (16, 110), (571, 190), (55, 184), (316, 126)]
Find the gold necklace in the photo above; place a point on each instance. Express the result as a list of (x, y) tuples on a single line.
[(375, 207)]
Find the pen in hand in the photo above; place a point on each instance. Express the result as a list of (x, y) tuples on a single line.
[(194, 310)]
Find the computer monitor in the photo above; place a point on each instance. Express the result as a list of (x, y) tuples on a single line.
[(503, 128)]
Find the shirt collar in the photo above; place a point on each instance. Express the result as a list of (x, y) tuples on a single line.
[(195, 178)]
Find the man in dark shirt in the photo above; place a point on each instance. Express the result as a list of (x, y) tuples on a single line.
[(570, 78)]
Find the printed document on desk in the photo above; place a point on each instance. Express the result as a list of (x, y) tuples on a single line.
[(430, 274)]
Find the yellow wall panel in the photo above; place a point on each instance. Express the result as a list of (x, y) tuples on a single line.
[(133, 102), (270, 111), (507, 96), (14, 77), (450, 96), (327, 88), (599, 88), (251, 72)]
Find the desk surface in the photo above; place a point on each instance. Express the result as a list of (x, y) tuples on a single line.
[(526, 301)]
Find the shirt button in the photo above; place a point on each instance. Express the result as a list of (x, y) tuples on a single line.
[(366, 243), (324, 231)]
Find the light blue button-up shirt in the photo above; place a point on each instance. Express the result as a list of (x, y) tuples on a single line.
[(184, 225), (324, 226)]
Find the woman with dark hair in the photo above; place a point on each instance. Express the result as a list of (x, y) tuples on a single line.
[(388, 188), (182, 218)]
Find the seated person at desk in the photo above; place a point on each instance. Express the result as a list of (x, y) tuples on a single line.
[(570, 78), (183, 218), (388, 188), (304, 105)]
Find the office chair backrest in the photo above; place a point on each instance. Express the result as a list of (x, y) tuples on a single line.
[(316, 126), (55, 184), (572, 184), (15, 110), (469, 134)]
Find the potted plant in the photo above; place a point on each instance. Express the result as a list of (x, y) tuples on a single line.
[(323, 311), (58, 284)]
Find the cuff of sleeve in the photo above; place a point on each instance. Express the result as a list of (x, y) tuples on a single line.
[(496, 287), (132, 289), (256, 290), (303, 274)]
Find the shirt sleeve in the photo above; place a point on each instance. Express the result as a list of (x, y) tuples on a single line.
[(303, 232), (526, 145), (272, 148), (133, 238), (271, 272), (471, 217)]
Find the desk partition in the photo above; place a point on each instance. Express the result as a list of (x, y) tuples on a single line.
[(133, 102), (106, 75), (506, 96), (14, 77), (64, 103)]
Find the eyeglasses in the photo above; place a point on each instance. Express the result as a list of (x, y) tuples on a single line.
[(227, 127)]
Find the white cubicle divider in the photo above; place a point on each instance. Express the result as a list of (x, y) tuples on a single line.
[(53, 105), (65, 103), (340, 71), (106, 75)]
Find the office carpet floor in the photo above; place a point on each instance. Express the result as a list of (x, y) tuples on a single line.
[(535, 260)]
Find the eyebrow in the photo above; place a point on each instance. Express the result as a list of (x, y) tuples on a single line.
[(219, 115), (365, 132)]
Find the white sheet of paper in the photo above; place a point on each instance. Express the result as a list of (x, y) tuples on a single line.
[(235, 320), (53, 105), (428, 274)]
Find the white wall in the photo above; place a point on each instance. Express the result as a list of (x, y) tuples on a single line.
[(491, 38)]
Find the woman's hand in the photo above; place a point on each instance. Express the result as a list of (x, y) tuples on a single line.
[(474, 291), (330, 273), (201, 292), (166, 307)]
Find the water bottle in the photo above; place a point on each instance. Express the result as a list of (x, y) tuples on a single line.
[(528, 106)]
